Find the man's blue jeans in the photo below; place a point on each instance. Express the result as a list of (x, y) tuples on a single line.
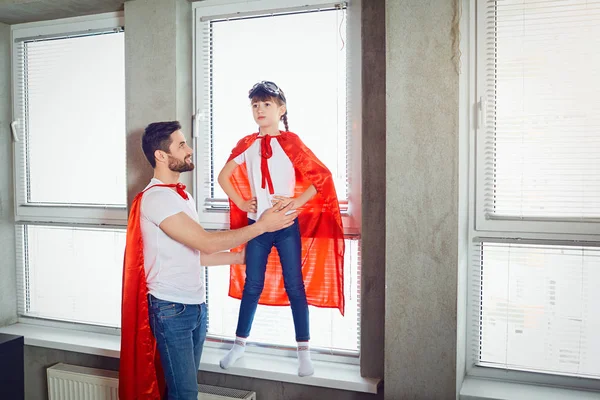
[(180, 331), (288, 245)]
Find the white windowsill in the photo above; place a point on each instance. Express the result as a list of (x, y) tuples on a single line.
[(253, 365), (487, 389)]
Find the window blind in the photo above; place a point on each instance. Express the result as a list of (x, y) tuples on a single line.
[(273, 326), (70, 114), (310, 67), (535, 307), (539, 125), (70, 273), (309, 49)]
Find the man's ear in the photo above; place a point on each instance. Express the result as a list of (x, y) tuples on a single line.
[(160, 156)]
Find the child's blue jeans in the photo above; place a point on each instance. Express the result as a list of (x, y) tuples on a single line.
[(288, 245)]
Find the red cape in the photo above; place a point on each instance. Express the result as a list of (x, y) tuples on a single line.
[(320, 228), (140, 372)]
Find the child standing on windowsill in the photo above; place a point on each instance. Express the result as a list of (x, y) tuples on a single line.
[(264, 168)]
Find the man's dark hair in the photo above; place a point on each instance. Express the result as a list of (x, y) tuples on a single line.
[(157, 136)]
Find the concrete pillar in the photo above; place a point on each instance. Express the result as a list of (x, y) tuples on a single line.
[(8, 285), (421, 201), (158, 68)]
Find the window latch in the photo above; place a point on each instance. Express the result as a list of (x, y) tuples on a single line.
[(13, 129), (481, 112)]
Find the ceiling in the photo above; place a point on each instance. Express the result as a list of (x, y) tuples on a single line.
[(19, 11)]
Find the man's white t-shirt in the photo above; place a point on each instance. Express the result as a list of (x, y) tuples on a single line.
[(281, 171), (173, 270)]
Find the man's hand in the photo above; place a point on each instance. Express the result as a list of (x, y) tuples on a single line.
[(275, 218), (248, 206), (285, 201)]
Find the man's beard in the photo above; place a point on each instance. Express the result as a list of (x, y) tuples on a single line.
[(176, 165)]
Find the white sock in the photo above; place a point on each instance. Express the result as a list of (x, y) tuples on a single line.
[(236, 352), (305, 367)]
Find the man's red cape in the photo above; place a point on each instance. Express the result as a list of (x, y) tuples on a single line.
[(140, 372), (320, 228)]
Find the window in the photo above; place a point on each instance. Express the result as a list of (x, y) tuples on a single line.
[(69, 131), (536, 236), (238, 45)]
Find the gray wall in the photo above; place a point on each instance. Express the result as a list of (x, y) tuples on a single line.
[(158, 71), (373, 189), (421, 201), (8, 289), (415, 124), (37, 359)]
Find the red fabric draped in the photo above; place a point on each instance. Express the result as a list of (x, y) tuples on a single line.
[(140, 372), (266, 152), (320, 228)]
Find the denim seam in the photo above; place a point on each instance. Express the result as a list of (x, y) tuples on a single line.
[(174, 315), (168, 354)]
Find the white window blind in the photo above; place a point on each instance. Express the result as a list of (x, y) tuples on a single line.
[(70, 274), (539, 126), (304, 49), (329, 331), (70, 114), (537, 307), (304, 52), (536, 251)]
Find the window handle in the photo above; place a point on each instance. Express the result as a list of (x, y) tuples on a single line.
[(482, 111), (196, 119), (13, 129)]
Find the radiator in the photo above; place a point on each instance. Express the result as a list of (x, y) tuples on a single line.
[(72, 382)]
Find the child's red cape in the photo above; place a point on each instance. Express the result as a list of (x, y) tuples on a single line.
[(140, 372), (320, 228)]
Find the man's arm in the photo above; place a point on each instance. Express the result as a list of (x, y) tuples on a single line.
[(222, 258), (182, 228)]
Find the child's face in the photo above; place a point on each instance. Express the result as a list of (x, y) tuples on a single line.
[(267, 113)]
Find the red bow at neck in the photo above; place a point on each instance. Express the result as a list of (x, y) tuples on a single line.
[(179, 188), (266, 151)]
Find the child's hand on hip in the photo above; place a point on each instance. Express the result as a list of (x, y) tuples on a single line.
[(248, 206)]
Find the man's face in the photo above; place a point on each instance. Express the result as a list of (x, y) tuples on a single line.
[(180, 157)]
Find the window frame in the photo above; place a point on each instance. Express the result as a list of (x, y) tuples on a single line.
[(216, 215), (216, 218), (506, 224), (44, 212), (106, 217), (513, 230)]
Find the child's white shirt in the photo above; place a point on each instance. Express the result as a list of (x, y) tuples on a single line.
[(281, 171)]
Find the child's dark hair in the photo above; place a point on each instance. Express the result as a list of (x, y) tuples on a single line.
[(262, 95), (157, 136)]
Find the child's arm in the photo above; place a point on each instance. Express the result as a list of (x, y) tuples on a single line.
[(222, 258), (244, 205), (298, 202)]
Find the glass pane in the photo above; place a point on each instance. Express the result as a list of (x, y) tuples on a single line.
[(74, 274), (546, 126), (75, 116), (274, 325), (539, 308), (310, 66)]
